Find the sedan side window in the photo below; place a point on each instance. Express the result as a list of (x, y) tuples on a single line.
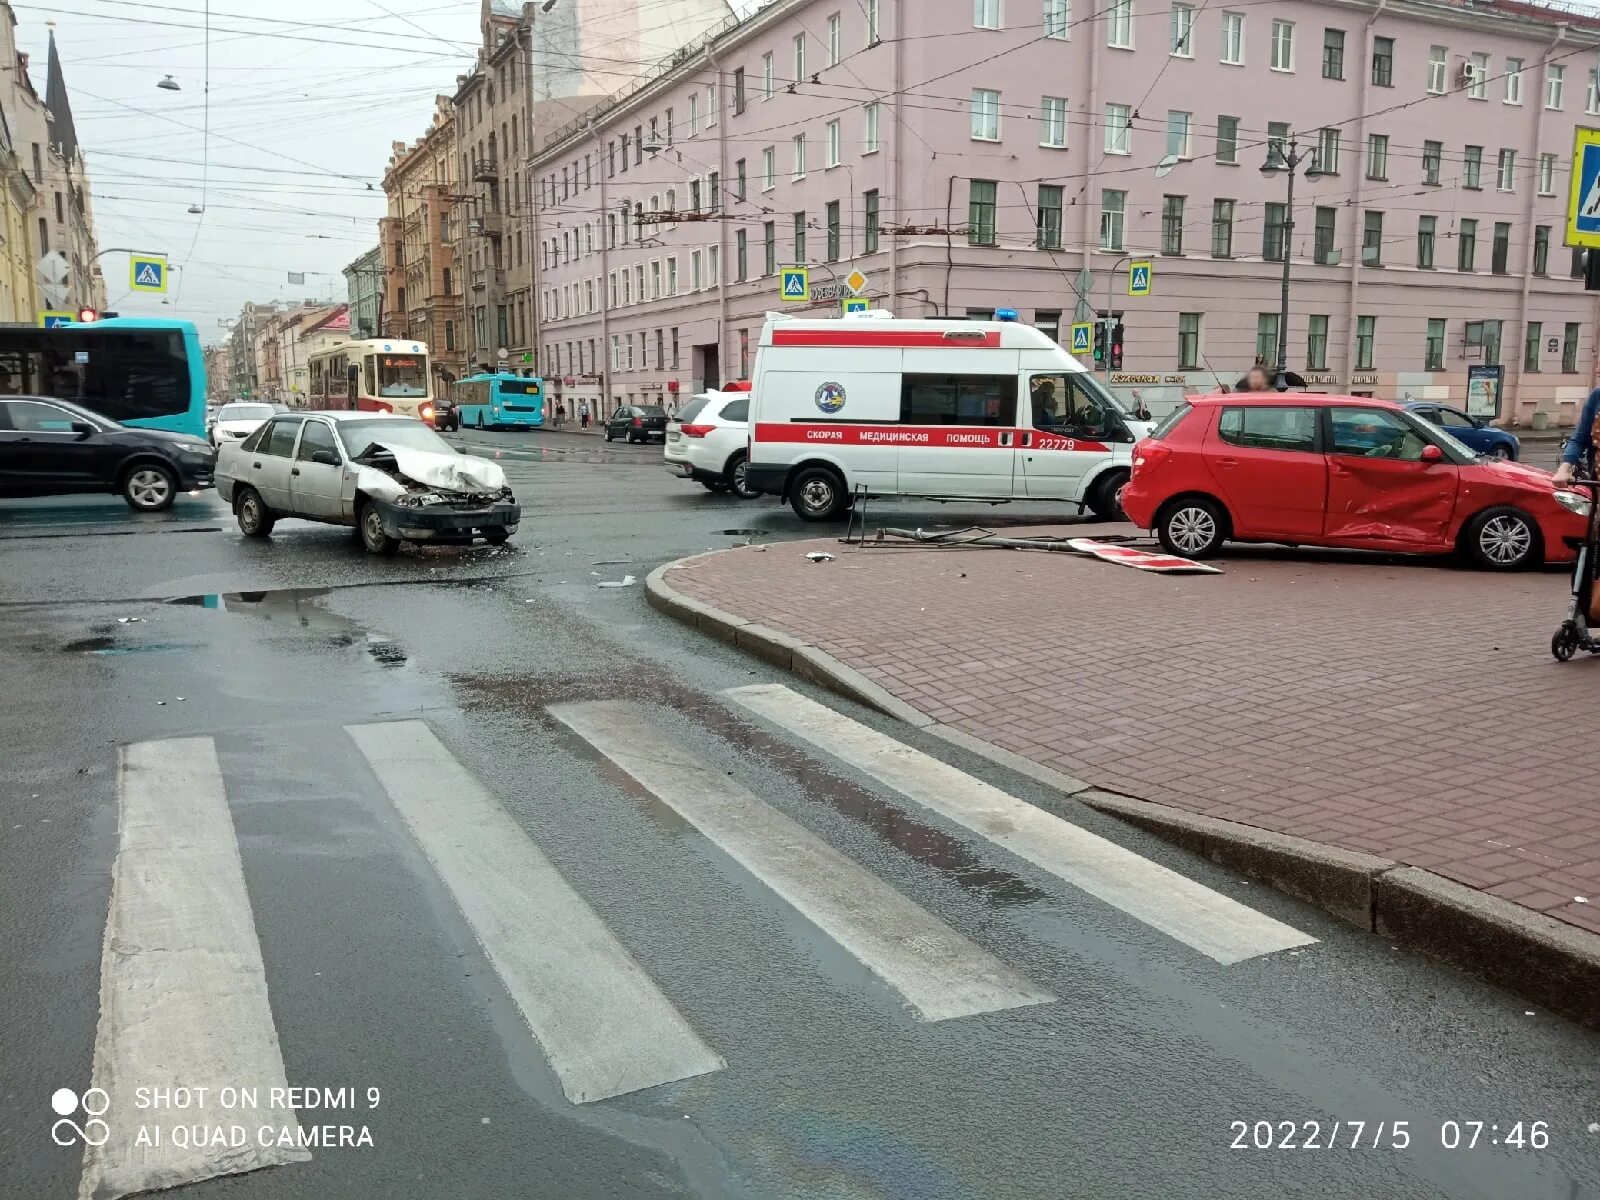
[(1451, 419), (317, 437), (1269, 428), (1375, 433), (280, 438)]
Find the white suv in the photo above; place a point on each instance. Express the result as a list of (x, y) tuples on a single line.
[(709, 442)]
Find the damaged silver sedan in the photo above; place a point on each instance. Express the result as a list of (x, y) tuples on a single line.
[(390, 478)]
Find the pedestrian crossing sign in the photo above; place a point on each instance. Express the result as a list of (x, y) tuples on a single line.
[(794, 285), (1583, 204), (856, 304), (49, 319), (147, 273), (1139, 278), (1082, 337)]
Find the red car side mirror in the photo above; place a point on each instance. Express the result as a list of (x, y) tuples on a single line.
[(1432, 454)]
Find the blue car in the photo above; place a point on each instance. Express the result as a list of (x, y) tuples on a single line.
[(1475, 432)]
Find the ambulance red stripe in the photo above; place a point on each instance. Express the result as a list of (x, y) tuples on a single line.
[(925, 339), (949, 437)]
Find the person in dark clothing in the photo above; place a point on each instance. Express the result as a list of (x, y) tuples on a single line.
[(1256, 379), (1580, 448)]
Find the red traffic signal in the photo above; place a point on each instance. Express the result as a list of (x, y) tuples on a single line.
[(87, 316)]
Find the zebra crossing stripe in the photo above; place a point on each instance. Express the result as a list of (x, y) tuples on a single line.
[(1210, 922), (605, 1027), (940, 973), (183, 993)]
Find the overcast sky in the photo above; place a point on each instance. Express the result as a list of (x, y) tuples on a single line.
[(306, 97)]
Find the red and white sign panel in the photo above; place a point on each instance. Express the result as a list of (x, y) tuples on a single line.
[(1142, 560)]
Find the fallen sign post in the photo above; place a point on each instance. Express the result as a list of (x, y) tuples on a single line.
[(1106, 551)]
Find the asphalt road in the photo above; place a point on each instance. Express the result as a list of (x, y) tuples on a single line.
[(903, 1007)]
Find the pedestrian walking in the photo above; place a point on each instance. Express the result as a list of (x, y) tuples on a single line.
[(583, 413), (561, 414)]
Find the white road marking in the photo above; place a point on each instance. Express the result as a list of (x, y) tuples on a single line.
[(1210, 922), (183, 993), (605, 1027), (939, 972)]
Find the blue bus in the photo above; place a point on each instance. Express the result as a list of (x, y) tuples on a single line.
[(141, 371), (500, 401)]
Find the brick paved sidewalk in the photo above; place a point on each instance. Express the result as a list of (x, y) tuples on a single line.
[(1403, 709)]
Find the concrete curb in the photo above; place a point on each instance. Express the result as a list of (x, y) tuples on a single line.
[(1544, 960)]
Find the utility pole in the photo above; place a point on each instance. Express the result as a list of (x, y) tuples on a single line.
[(1289, 159)]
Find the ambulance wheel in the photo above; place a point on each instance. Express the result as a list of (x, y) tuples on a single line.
[(1103, 497), (817, 494)]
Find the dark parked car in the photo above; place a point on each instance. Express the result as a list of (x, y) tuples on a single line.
[(446, 416), (1473, 432), (638, 423), (55, 448)]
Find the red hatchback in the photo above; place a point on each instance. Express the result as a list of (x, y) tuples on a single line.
[(1340, 471)]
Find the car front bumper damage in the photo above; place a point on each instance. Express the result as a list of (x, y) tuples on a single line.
[(446, 521)]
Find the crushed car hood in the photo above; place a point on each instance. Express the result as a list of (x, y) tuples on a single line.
[(455, 473)]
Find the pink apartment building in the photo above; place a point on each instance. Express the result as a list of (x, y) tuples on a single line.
[(975, 154)]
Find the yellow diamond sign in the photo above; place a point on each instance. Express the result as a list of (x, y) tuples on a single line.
[(855, 281)]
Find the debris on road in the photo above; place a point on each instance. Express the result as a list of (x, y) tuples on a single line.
[(625, 581), (819, 556), (1114, 550)]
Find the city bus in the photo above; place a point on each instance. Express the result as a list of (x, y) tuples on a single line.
[(500, 401), (141, 371), (373, 375)]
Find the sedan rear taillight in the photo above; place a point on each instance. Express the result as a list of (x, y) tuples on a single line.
[(638, 423), (696, 431)]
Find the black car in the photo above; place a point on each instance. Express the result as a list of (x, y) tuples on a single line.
[(446, 416), (638, 423), (55, 448)]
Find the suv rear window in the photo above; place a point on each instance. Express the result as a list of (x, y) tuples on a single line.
[(1266, 428), (736, 410), (692, 409), (1170, 422)]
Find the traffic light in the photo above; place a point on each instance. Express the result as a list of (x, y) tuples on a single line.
[(1116, 346), (1099, 343), (87, 316), (1591, 271)]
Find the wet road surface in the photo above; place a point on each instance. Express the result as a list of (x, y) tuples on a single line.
[(598, 820)]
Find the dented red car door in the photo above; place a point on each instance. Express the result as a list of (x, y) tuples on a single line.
[(1382, 494)]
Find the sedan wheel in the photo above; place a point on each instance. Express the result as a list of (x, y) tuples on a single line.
[(372, 535), (1191, 528), (738, 479), (1504, 539), (150, 488), (254, 519), (1503, 453)]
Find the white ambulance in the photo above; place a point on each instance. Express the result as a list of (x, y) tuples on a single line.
[(946, 409)]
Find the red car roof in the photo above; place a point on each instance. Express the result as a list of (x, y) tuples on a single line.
[(1297, 398)]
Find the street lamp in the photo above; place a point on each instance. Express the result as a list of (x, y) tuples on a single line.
[(169, 84), (1290, 159)]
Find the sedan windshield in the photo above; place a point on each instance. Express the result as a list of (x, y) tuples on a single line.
[(359, 437), (244, 412)]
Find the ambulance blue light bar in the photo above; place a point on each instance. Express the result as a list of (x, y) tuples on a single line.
[(1005, 314)]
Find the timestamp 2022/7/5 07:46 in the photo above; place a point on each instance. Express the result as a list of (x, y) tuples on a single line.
[(1347, 1134)]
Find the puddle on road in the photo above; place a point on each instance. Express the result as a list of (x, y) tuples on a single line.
[(300, 609), (105, 644)]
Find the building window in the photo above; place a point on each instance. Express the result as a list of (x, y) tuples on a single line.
[(1172, 225), (1050, 200), (1178, 133), (1282, 45), (1333, 54), (1228, 140), (870, 206), (1182, 31), (799, 156), (1591, 104), (1553, 79), (1467, 245), (872, 142), (1053, 122), (1317, 344), (800, 237), (1438, 60), (1500, 254), (834, 143), (1433, 348), (1328, 151), (1233, 39), (1513, 81), (833, 40), (1119, 122), (1478, 77), (1274, 234), (1569, 349), (1531, 347), (834, 227), (1426, 227), (1113, 215), (800, 56), (1472, 167), (1222, 229), (985, 115), (741, 255), (1372, 239), (1432, 160), (1267, 338), (1580, 261), (739, 180), (449, 335), (1382, 62), (1119, 24), (1506, 175), (980, 212), (769, 245), (1547, 174), (738, 92), (1378, 156), (986, 14), (1056, 16), (1541, 249), (694, 114), (766, 76), (1323, 252), (1366, 332), (1277, 142), (872, 22), (1188, 341), (769, 168)]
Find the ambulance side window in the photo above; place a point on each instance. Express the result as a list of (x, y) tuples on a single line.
[(1062, 404), (958, 400)]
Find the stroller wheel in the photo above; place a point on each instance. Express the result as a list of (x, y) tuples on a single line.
[(1565, 643)]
